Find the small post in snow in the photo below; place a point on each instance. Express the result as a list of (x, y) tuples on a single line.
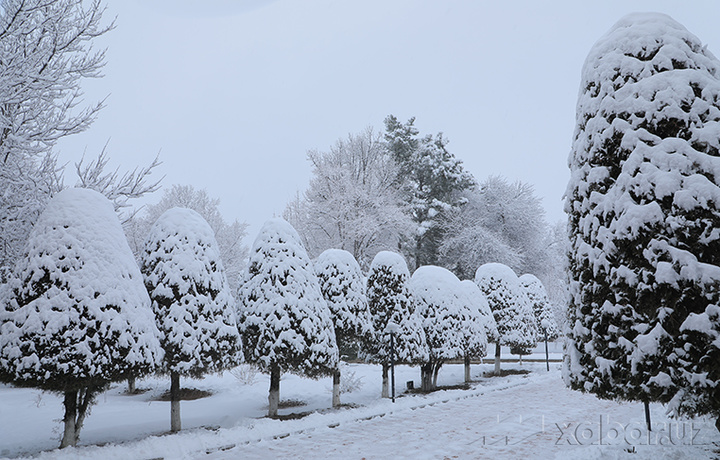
[(392, 328)]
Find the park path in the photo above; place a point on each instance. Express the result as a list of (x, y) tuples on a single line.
[(537, 419)]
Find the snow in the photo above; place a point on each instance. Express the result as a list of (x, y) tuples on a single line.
[(78, 273), (392, 260), (194, 307), (500, 417)]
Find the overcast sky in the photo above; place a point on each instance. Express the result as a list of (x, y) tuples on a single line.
[(233, 93)]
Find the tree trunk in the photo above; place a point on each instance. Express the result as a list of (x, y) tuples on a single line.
[(76, 404), (336, 388), (497, 357), (717, 423), (426, 372), (70, 435), (274, 395), (131, 385), (436, 371), (175, 424), (547, 354), (520, 355), (467, 368), (385, 384), (647, 415)]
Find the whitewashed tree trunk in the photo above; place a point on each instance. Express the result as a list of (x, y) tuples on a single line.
[(436, 371), (426, 374), (336, 388), (69, 434), (274, 394), (497, 357), (467, 368), (131, 385), (175, 424), (385, 381)]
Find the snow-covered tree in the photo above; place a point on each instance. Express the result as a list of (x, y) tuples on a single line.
[(284, 320), (390, 303), (229, 236), (432, 181), (45, 52), (644, 210), (352, 202), (343, 288), (510, 306), (473, 299), (193, 305), (78, 316), (501, 222), (542, 308), (452, 328)]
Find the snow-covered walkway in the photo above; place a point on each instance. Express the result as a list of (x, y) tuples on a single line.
[(537, 419)]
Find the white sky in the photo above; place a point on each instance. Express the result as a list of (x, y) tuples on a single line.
[(234, 93)]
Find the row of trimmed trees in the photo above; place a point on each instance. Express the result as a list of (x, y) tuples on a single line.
[(79, 313)]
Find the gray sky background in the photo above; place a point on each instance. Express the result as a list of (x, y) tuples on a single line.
[(233, 93)]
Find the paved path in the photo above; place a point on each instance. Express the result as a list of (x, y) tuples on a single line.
[(541, 419)]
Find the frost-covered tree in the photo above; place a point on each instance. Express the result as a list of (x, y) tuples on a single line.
[(452, 328), (390, 302), (343, 288), (284, 320), (193, 305), (352, 202), (45, 52), (510, 306), (475, 300), (229, 236), (644, 210), (432, 181), (78, 316), (501, 222)]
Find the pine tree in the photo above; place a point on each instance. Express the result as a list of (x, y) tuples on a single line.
[(542, 308), (432, 180), (193, 305), (343, 288), (284, 320), (643, 217), (390, 302), (510, 306), (78, 316)]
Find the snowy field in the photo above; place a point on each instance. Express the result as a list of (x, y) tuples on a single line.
[(530, 416)]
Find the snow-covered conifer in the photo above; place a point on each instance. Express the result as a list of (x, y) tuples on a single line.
[(284, 320), (542, 308), (451, 327), (479, 314), (390, 302), (510, 306), (193, 305), (644, 205), (343, 287), (79, 316)]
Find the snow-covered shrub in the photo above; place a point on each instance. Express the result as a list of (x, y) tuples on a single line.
[(79, 316), (451, 326), (510, 306), (284, 320), (194, 308), (644, 211), (390, 302), (542, 309), (343, 287)]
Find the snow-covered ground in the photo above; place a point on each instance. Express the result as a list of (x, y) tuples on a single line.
[(532, 416)]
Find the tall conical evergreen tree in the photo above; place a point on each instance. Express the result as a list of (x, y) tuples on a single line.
[(644, 211), (194, 307), (78, 316), (390, 301), (284, 320)]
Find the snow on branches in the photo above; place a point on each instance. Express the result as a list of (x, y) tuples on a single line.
[(194, 307), (644, 216)]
